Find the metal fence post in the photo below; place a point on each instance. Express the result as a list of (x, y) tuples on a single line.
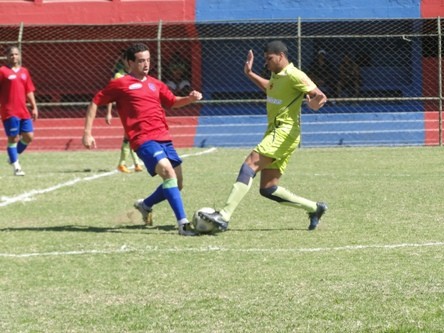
[(299, 43), (159, 50), (20, 36)]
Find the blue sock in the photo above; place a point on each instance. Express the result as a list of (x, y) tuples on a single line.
[(21, 146), (157, 196), (12, 152), (172, 194)]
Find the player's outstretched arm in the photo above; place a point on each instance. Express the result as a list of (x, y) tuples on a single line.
[(316, 99), (87, 139), (185, 100)]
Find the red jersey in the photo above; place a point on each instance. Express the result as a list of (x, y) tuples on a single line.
[(140, 107), (14, 86)]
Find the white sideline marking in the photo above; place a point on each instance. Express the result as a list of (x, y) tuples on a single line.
[(126, 249), (28, 196)]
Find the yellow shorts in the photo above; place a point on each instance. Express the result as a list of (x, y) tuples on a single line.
[(279, 144)]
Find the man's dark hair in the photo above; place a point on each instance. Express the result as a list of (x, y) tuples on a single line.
[(123, 54), (133, 49), (10, 48), (276, 47)]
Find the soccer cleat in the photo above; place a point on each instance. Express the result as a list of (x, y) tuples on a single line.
[(123, 168), (187, 230), (17, 168), (315, 217), (19, 172), (147, 214), (138, 168), (216, 218)]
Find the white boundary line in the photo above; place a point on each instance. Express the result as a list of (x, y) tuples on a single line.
[(126, 249), (28, 196)]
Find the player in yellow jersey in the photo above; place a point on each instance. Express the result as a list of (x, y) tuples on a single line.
[(287, 88), (125, 149)]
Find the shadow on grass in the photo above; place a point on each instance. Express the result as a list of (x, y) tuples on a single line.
[(271, 229), (82, 228), (88, 170), (124, 228)]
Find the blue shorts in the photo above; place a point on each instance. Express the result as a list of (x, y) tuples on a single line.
[(15, 126), (151, 152)]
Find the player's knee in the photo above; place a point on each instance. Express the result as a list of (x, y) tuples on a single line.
[(27, 139), (164, 169), (245, 174), (268, 193), (13, 139)]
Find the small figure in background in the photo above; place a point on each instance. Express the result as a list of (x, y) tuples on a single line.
[(125, 149), (17, 88), (178, 76), (321, 72), (349, 83)]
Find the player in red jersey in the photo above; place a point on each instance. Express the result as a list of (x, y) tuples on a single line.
[(140, 99), (16, 88)]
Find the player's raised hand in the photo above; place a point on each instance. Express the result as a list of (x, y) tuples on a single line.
[(249, 62), (88, 141)]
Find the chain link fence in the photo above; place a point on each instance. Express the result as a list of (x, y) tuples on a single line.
[(383, 77)]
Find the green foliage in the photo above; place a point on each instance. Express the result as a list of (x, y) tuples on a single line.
[(75, 257)]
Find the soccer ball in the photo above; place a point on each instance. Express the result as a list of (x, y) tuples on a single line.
[(200, 225)]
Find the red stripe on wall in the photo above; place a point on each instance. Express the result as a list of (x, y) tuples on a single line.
[(66, 134), (432, 8), (96, 12), (431, 120), (431, 89)]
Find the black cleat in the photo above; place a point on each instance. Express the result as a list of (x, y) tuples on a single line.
[(216, 218), (315, 217)]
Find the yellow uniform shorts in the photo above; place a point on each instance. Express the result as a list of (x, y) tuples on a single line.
[(279, 143)]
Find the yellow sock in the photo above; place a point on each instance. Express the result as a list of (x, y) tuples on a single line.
[(238, 192)]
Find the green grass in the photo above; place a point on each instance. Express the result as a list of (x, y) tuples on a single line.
[(76, 258)]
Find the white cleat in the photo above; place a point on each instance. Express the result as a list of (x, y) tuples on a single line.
[(19, 172), (147, 215)]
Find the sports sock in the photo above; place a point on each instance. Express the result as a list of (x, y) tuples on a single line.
[(157, 196), (21, 146), (135, 158), (12, 152), (285, 197), (238, 192), (172, 194), (183, 221), (124, 152)]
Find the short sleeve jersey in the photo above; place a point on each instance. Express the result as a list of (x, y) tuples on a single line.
[(286, 91), (140, 105), (14, 86)]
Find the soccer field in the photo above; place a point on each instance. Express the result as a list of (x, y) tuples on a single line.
[(75, 257)]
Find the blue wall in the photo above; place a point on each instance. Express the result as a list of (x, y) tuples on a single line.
[(391, 124), (207, 10), (352, 129)]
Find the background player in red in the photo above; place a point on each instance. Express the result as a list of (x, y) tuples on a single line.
[(140, 99), (125, 150), (16, 88)]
